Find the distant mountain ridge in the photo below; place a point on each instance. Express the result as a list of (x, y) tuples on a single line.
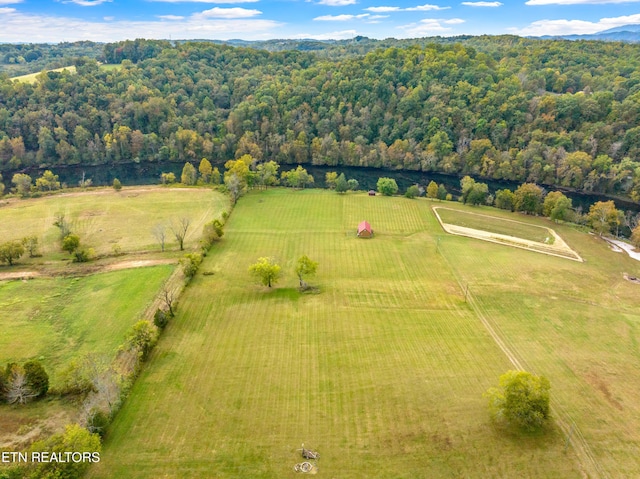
[(624, 33), (625, 28)]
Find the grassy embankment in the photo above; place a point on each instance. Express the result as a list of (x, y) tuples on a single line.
[(383, 371)]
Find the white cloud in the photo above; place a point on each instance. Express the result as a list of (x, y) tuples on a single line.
[(420, 8), (236, 12), (9, 2), (340, 18), (337, 3), (425, 8), (377, 17), (574, 27), (383, 9), (17, 26), (429, 26), (171, 17), (482, 4), (87, 3), (108, 19), (576, 2), (341, 35)]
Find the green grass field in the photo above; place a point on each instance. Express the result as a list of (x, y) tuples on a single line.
[(59, 319), (383, 371), (33, 77), (494, 224), (103, 218), (110, 66)]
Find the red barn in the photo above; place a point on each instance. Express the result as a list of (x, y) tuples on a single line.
[(364, 230)]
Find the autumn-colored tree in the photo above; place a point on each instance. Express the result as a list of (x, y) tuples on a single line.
[(603, 217)]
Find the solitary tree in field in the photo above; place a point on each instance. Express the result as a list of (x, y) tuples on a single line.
[(160, 234), (522, 400), (387, 186), (30, 243), (11, 251), (305, 267), (117, 185), (266, 270), (180, 230)]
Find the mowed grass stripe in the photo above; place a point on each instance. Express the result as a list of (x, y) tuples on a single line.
[(380, 384), (568, 322)]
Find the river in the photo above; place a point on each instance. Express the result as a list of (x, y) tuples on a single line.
[(145, 173)]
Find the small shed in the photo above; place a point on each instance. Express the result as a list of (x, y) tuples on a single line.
[(372, 192), (364, 230)]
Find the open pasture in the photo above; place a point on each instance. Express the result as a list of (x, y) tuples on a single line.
[(384, 369), (57, 320), (104, 218)]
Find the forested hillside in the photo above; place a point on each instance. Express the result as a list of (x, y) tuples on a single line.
[(23, 58), (552, 112)]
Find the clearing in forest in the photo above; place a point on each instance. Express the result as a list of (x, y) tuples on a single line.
[(33, 77)]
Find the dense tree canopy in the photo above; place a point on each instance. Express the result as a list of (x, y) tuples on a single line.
[(545, 112)]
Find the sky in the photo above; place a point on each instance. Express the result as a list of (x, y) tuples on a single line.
[(37, 21)]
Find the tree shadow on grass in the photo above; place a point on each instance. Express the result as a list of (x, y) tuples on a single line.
[(547, 436), (292, 294)]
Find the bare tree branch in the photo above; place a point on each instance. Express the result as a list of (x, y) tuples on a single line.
[(160, 233), (180, 231)]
